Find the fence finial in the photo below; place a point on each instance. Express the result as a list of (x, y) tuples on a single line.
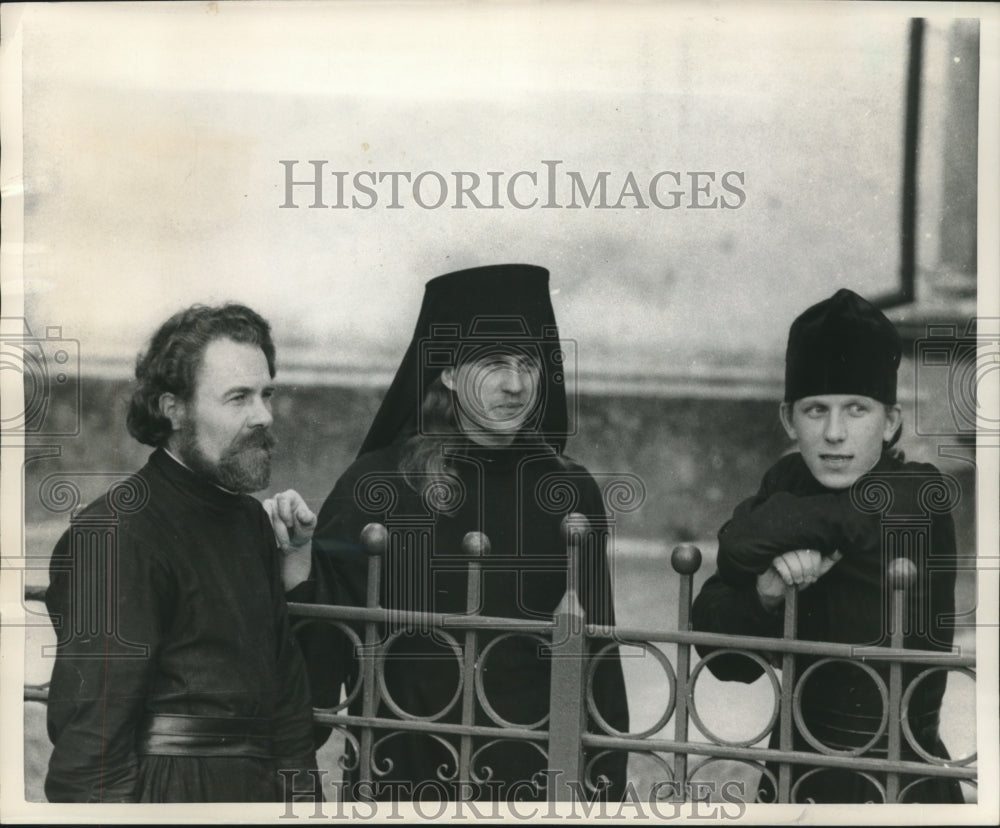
[(686, 559), (575, 527), (475, 545), (902, 573), (374, 539)]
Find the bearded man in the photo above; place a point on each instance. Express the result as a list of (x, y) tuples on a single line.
[(177, 678)]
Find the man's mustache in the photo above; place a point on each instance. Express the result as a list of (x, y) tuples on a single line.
[(260, 438)]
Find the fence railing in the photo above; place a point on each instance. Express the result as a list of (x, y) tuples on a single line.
[(574, 735)]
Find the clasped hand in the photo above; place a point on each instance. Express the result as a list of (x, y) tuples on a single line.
[(799, 568)]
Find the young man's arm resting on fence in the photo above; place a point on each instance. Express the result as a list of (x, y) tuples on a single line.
[(775, 521)]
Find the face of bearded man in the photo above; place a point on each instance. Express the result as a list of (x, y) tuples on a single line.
[(225, 430), (244, 465)]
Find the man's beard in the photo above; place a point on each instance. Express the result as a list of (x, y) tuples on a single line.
[(245, 466)]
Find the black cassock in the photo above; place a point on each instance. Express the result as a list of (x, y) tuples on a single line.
[(518, 496), (177, 678), (850, 604)]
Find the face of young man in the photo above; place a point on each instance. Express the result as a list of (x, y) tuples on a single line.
[(224, 431), (495, 395), (840, 435)]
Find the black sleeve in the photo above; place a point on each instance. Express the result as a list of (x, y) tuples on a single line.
[(103, 666), (723, 608), (776, 520), (937, 630), (942, 570), (937, 571)]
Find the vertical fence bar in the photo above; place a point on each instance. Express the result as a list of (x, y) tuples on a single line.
[(567, 704), (902, 574), (686, 560), (474, 546), (374, 539), (787, 723)]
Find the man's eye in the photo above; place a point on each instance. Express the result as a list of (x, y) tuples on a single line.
[(857, 409)]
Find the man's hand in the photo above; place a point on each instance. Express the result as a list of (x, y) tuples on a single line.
[(803, 567), (799, 568), (293, 523)]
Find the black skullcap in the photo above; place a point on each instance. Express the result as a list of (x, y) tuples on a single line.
[(497, 305), (842, 345)]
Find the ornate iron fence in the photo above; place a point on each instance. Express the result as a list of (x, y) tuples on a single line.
[(574, 735), (568, 733)]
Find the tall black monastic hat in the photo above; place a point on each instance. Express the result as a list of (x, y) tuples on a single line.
[(466, 312), (842, 345)]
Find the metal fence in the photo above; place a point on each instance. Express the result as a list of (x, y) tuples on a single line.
[(574, 735)]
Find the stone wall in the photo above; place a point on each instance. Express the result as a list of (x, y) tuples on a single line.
[(696, 457)]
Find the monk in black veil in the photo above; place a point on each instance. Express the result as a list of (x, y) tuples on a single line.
[(469, 438)]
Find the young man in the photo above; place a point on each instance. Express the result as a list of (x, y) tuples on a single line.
[(184, 683), (815, 525), (469, 438)]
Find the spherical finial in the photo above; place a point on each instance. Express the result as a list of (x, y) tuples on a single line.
[(574, 527), (686, 559), (374, 539), (475, 545), (902, 573)]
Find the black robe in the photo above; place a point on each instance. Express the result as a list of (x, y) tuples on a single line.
[(518, 497), (202, 631), (850, 604)]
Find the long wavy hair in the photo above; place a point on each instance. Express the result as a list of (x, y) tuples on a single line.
[(423, 460)]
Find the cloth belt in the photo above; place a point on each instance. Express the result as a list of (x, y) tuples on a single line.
[(172, 734), (844, 731)]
